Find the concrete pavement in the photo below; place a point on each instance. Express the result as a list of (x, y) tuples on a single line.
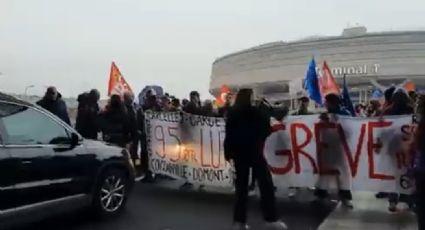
[(369, 213)]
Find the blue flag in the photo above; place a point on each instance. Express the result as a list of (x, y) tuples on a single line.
[(311, 83), (346, 100)]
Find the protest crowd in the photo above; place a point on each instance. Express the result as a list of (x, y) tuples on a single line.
[(121, 122), (248, 119)]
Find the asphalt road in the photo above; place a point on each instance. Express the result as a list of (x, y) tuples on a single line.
[(154, 207)]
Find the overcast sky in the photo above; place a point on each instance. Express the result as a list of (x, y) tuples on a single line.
[(70, 44)]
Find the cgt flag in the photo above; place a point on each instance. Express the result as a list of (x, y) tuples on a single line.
[(221, 99), (328, 84), (117, 84)]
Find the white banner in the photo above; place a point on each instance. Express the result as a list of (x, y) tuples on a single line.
[(303, 151)]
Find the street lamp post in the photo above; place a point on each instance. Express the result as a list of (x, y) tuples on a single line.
[(27, 88)]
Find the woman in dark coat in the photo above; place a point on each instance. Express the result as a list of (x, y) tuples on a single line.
[(247, 128), (115, 123)]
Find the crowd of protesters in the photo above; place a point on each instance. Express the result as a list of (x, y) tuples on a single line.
[(121, 122)]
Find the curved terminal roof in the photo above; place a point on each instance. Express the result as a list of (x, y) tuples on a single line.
[(356, 53)]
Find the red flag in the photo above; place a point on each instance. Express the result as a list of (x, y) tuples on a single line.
[(328, 84), (117, 83), (221, 98)]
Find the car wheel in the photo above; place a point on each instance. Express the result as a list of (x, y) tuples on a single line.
[(110, 195)]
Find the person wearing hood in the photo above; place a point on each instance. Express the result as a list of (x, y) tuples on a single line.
[(52, 102), (87, 123)]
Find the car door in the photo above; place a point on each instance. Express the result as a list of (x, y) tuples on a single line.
[(8, 165), (32, 139), (7, 180)]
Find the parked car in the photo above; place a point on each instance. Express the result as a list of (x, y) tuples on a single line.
[(47, 167)]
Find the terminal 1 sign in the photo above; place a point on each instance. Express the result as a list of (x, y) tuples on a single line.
[(364, 69)]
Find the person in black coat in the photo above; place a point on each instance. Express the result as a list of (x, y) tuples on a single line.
[(247, 128), (115, 123), (52, 102), (87, 123), (132, 118)]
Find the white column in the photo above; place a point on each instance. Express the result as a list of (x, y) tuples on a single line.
[(360, 96)]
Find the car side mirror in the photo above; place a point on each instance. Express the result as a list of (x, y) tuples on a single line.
[(75, 139)]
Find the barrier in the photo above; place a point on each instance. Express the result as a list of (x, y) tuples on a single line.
[(351, 153)]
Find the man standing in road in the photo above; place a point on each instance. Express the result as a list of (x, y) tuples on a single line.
[(52, 102)]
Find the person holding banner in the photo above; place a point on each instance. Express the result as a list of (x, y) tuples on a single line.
[(247, 128), (330, 159), (419, 165), (401, 104)]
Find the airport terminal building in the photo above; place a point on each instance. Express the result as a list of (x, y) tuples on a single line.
[(386, 57)]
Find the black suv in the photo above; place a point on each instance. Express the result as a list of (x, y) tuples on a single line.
[(46, 166)]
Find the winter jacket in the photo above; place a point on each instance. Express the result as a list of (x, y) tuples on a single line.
[(87, 123), (56, 107), (246, 131), (115, 127)]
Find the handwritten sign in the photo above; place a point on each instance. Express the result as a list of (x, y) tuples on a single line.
[(302, 151)]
